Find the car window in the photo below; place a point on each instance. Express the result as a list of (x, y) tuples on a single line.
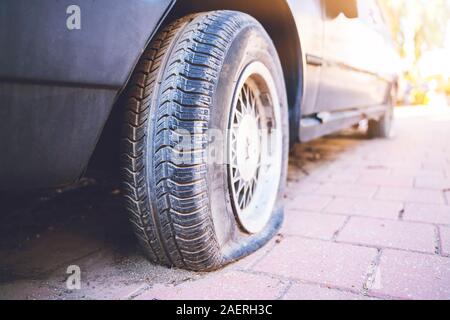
[(369, 12)]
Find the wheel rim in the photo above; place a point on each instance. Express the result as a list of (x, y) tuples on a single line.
[(255, 148)]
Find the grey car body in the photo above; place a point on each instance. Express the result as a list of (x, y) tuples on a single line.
[(58, 87)]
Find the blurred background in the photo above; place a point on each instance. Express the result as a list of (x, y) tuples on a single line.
[(421, 31)]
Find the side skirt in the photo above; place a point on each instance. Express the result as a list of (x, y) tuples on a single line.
[(323, 123)]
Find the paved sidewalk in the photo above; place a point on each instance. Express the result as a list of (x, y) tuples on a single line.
[(365, 219)]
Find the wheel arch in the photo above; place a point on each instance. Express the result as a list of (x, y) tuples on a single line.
[(283, 31)]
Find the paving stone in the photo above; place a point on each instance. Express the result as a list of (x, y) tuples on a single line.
[(337, 176), (50, 251), (347, 190), (313, 225), (447, 197), (365, 207), (419, 173), (229, 285), (409, 275), (445, 240), (388, 233), (27, 290), (327, 263), (307, 202), (305, 186), (438, 183), (315, 292), (410, 195), (386, 180), (437, 214)]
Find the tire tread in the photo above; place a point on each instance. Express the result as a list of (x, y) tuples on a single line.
[(178, 73)]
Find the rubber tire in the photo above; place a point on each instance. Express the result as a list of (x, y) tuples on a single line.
[(182, 215), (382, 128)]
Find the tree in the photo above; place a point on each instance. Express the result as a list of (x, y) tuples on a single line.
[(417, 25)]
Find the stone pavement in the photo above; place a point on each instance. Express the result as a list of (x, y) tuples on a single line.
[(365, 219)]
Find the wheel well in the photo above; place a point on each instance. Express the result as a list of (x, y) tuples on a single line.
[(281, 28)]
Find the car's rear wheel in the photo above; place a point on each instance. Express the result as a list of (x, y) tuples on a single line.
[(205, 141), (383, 127)]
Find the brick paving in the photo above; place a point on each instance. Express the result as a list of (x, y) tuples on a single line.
[(365, 219)]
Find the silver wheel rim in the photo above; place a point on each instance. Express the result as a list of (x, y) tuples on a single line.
[(255, 148)]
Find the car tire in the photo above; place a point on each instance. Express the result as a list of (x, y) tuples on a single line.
[(383, 127), (196, 203)]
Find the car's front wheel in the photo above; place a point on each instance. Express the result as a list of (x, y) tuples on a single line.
[(205, 141)]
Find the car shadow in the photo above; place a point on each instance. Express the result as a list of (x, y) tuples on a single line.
[(39, 232), (45, 231)]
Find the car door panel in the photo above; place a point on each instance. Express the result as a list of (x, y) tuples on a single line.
[(349, 76), (309, 20)]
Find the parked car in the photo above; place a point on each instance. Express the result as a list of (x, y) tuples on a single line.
[(249, 78)]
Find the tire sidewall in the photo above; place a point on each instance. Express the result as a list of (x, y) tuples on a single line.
[(251, 43)]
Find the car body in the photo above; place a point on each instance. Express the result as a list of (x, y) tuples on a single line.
[(59, 86)]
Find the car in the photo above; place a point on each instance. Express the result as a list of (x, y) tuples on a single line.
[(203, 100)]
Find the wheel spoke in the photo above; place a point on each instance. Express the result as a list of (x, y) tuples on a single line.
[(245, 106)]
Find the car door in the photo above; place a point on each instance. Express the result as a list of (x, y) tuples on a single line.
[(308, 15), (352, 53)]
